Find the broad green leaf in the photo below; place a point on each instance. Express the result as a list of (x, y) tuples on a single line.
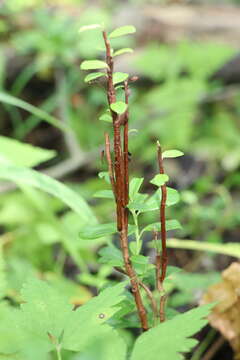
[(39, 113), (134, 187), (25, 176), (89, 321), (123, 30), (172, 154), (93, 65), (101, 349), (159, 179), (93, 232), (119, 77), (170, 225), (231, 249), (123, 51), (89, 27), (107, 194), (106, 117), (22, 154), (171, 338), (46, 318), (93, 76), (119, 107), (111, 255)]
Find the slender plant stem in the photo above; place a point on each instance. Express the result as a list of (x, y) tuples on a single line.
[(198, 353), (164, 257), (137, 233), (59, 355)]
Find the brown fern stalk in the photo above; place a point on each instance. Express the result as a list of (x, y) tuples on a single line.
[(121, 180)]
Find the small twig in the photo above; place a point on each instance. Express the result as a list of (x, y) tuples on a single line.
[(214, 348), (147, 290)]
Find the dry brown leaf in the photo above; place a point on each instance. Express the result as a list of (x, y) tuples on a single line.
[(226, 314)]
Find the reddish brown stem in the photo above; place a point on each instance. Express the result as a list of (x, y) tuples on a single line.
[(162, 308), (164, 257), (121, 184), (146, 289), (109, 161)]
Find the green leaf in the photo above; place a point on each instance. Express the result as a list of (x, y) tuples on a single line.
[(134, 187), (231, 249), (100, 349), (46, 319), (154, 201), (119, 77), (123, 30), (22, 154), (25, 176), (140, 263), (93, 64), (89, 27), (159, 179), (170, 225), (104, 175), (93, 76), (171, 338), (93, 232), (119, 107), (172, 154), (107, 194), (106, 117), (11, 100), (111, 255), (123, 51), (89, 321)]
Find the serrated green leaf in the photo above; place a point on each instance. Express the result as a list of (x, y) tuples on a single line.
[(123, 51), (172, 154), (93, 232), (22, 154), (134, 187), (93, 76), (171, 338), (88, 321), (107, 194), (89, 27), (123, 30), (100, 349), (25, 176), (170, 225), (93, 65), (46, 319), (159, 179), (119, 77), (119, 107)]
